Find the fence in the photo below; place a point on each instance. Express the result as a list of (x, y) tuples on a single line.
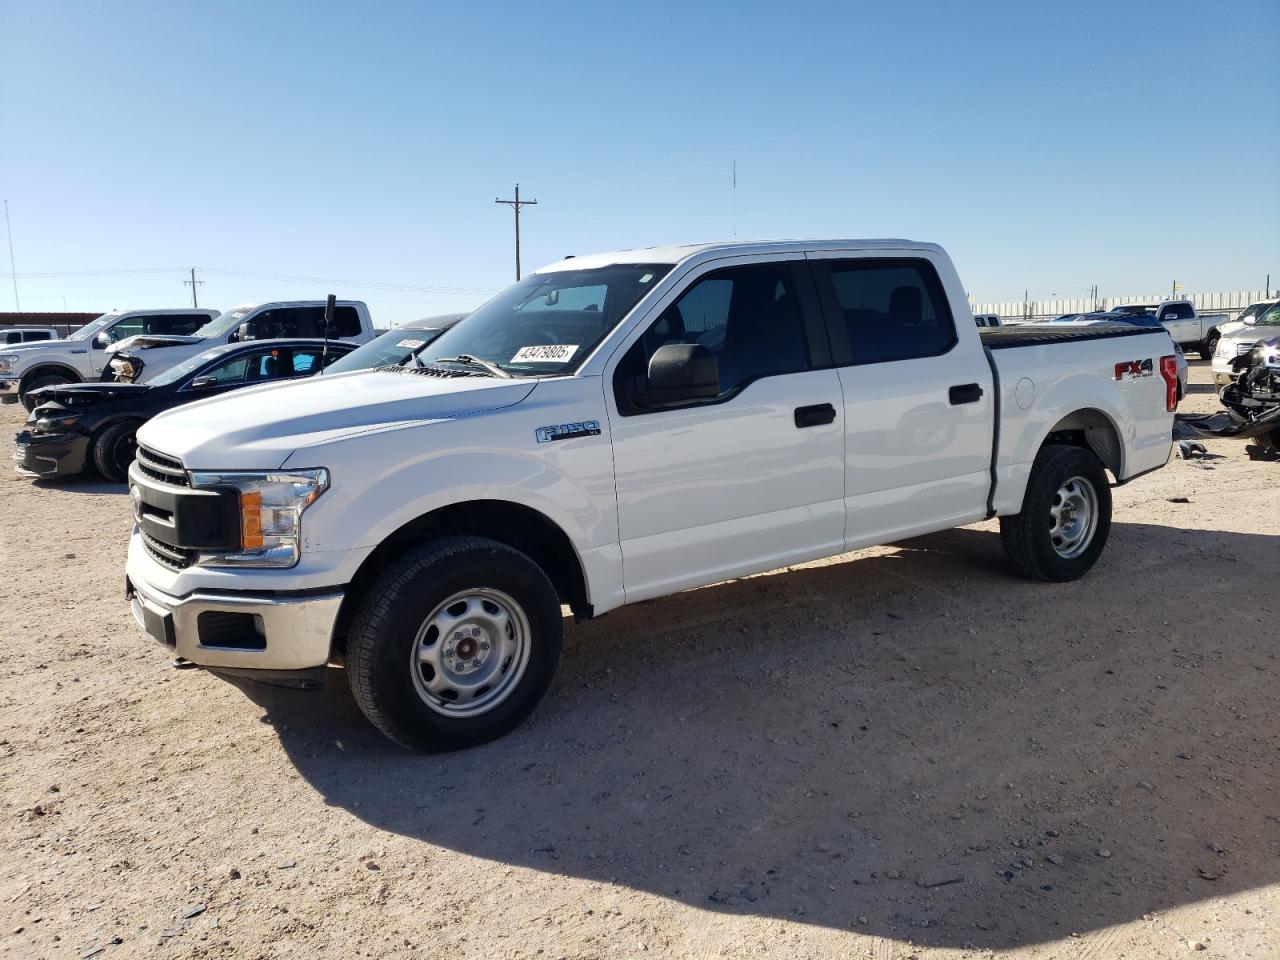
[(1231, 304)]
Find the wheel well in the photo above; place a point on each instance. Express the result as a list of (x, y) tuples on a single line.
[(518, 526), (44, 368), (1091, 430)]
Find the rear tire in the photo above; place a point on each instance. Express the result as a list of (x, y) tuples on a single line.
[(46, 380), (114, 449), (1065, 518), (1270, 442), (454, 644)]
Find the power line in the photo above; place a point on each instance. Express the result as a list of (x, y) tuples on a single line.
[(515, 205), (13, 269), (193, 282)]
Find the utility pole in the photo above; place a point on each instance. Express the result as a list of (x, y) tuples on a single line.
[(193, 283), (1268, 296), (515, 205), (13, 271)]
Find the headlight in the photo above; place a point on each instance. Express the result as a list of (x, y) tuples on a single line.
[(52, 424), (271, 507), (7, 362), (1225, 348)]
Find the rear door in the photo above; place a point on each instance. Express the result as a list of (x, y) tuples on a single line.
[(918, 409), (1180, 320), (753, 478)]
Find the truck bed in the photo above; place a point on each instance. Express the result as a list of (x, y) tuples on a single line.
[(1027, 335)]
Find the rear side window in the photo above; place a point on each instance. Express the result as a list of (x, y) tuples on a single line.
[(175, 325), (886, 310), (749, 317), (36, 335), (346, 322)]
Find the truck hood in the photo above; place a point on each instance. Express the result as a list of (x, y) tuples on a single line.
[(259, 428), (150, 341)]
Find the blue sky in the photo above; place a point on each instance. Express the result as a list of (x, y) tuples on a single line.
[(1048, 146)]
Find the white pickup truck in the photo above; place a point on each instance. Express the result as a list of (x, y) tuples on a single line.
[(84, 354), (1190, 330), (614, 428), (140, 358)]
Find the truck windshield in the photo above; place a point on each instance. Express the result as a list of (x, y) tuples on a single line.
[(393, 347), (91, 328), (1269, 319), (223, 323), (547, 323)]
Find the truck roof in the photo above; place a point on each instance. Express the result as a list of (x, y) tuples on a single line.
[(679, 253)]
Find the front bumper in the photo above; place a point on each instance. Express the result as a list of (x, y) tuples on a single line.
[(9, 389), (239, 631), (49, 454)]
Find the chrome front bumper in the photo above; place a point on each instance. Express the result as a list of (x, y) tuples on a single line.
[(237, 630)]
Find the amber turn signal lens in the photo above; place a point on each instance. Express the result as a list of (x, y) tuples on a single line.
[(250, 521)]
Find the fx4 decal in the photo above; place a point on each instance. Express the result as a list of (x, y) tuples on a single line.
[(1133, 369), (567, 431)]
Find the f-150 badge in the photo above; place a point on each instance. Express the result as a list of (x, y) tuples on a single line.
[(567, 431)]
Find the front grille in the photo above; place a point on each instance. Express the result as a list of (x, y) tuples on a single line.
[(175, 558), (1243, 348), (160, 467)]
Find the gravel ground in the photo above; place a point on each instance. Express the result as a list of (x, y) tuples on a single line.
[(902, 752)]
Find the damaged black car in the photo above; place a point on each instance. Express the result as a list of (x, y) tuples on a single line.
[(76, 427), (1252, 400)]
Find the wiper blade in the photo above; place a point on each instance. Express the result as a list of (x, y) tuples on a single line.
[(469, 360)]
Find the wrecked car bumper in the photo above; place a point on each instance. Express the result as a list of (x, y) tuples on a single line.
[(49, 454)]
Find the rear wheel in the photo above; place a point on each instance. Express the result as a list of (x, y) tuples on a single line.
[(454, 644), (114, 449), (1065, 518), (43, 380), (1270, 442)]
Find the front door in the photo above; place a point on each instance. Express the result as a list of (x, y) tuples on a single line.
[(752, 479)]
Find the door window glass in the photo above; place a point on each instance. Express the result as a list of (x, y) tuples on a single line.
[(890, 309), (748, 317)]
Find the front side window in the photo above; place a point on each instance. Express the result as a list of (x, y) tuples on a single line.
[(888, 310), (129, 327), (749, 318)]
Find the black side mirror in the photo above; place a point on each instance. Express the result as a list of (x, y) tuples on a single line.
[(199, 383), (243, 333), (680, 373)]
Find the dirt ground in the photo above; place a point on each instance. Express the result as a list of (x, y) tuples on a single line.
[(902, 752)]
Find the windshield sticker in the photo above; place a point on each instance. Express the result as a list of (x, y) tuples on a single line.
[(411, 344), (547, 353)]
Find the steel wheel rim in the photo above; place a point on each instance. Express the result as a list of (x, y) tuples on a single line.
[(470, 652), (1073, 518)]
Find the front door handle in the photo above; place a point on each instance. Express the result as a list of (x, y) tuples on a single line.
[(815, 416), (965, 393)]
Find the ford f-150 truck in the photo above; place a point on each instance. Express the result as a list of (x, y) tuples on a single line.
[(84, 354), (140, 358), (614, 428), (1190, 330)]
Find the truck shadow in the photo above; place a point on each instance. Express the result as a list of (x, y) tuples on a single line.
[(911, 744)]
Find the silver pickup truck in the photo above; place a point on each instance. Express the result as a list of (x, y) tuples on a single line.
[(1190, 330)]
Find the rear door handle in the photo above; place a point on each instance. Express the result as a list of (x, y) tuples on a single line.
[(965, 393), (815, 416)]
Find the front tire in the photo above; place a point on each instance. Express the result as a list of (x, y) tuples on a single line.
[(1065, 518), (114, 449), (454, 644), (46, 380), (1209, 346)]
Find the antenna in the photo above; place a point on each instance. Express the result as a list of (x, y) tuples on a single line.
[(13, 271)]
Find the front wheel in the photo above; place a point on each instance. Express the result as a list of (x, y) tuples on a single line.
[(114, 449), (1065, 518), (1209, 346), (454, 644), (46, 380)]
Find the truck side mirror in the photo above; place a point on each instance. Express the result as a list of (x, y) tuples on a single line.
[(101, 341), (680, 373), (1250, 321), (199, 383), (244, 332)]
